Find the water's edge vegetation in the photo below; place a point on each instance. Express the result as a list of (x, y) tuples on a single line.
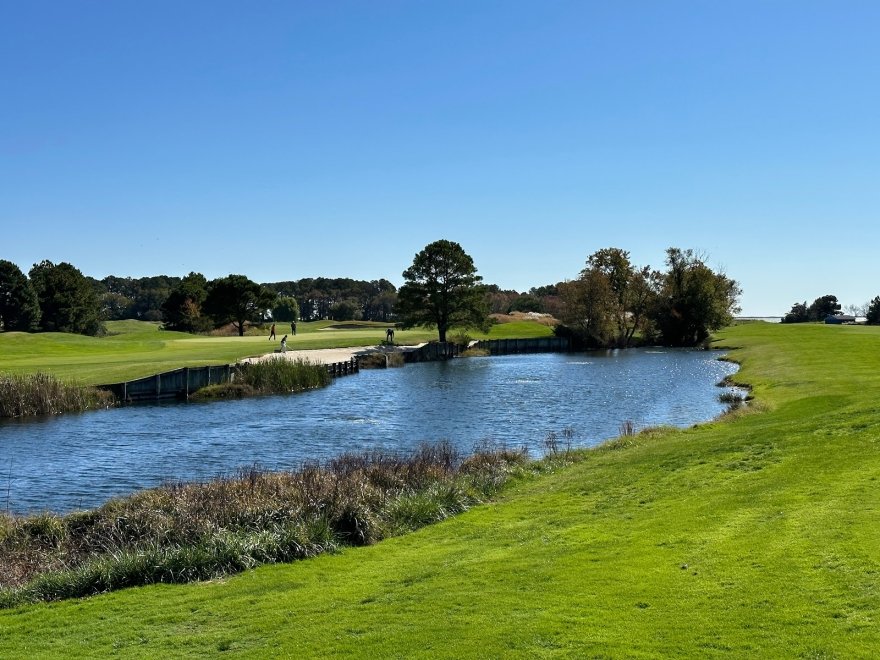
[(27, 395), (752, 537), (272, 376), (196, 531)]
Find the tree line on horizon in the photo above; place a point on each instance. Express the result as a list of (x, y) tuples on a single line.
[(59, 298), (828, 306), (611, 302)]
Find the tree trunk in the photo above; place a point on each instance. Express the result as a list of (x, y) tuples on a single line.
[(442, 331)]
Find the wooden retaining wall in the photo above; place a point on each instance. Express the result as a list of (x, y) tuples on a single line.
[(431, 352), (180, 383), (534, 345)]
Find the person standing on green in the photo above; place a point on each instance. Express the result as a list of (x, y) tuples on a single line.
[(293, 327), (272, 332)]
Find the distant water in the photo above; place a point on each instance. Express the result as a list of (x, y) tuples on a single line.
[(767, 319), (79, 461)]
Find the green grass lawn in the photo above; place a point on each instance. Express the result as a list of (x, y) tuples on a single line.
[(756, 536), (135, 348)]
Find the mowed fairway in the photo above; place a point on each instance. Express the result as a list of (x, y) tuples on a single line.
[(756, 536), (134, 349)]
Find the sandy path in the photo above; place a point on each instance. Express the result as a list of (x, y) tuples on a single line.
[(325, 355), (319, 355)]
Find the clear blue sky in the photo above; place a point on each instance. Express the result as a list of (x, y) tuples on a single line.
[(283, 140)]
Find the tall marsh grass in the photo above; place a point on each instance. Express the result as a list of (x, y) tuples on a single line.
[(273, 376), (193, 531), (43, 394)]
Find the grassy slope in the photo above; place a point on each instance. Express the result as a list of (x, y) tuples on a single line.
[(139, 349), (756, 536)]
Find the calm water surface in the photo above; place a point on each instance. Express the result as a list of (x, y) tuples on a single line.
[(74, 461)]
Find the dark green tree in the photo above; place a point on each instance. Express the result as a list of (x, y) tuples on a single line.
[(286, 309), (442, 290), (182, 309), (236, 299), (873, 313), (19, 308), (823, 307), (68, 302), (694, 300), (799, 313), (345, 310)]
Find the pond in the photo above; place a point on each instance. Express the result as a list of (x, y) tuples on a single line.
[(79, 461)]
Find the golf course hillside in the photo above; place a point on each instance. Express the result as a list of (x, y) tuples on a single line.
[(752, 536)]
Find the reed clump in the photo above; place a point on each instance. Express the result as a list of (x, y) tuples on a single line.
[(273, 376), (23, 395), (193, 531)]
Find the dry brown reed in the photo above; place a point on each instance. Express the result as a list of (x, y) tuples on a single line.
[(184, 531), (23, 395)]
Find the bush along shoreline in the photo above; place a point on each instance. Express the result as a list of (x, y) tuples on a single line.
[(273, 376), (26, 395), (195, 531)]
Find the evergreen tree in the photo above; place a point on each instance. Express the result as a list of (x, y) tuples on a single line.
[(442, 290), (68, 302), (19, 308)]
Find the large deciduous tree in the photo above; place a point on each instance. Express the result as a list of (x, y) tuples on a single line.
[(236, 299), (694, 300), (68, 302), (442, 290), (610, 300), (19, 308)]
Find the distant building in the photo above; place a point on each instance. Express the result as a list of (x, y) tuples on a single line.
[(839, 319)]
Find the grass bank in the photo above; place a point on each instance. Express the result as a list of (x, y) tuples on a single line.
[(134, 349), (186, 532), (755, 536)]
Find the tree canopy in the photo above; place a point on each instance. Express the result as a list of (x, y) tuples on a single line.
[(68, 302), (442, 290), (340, 299), (610, 300), (285, 309), (693, 300), (873, 312), (613, 299), (19, 307), (236, 299), (182, 309), (821, 308)]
